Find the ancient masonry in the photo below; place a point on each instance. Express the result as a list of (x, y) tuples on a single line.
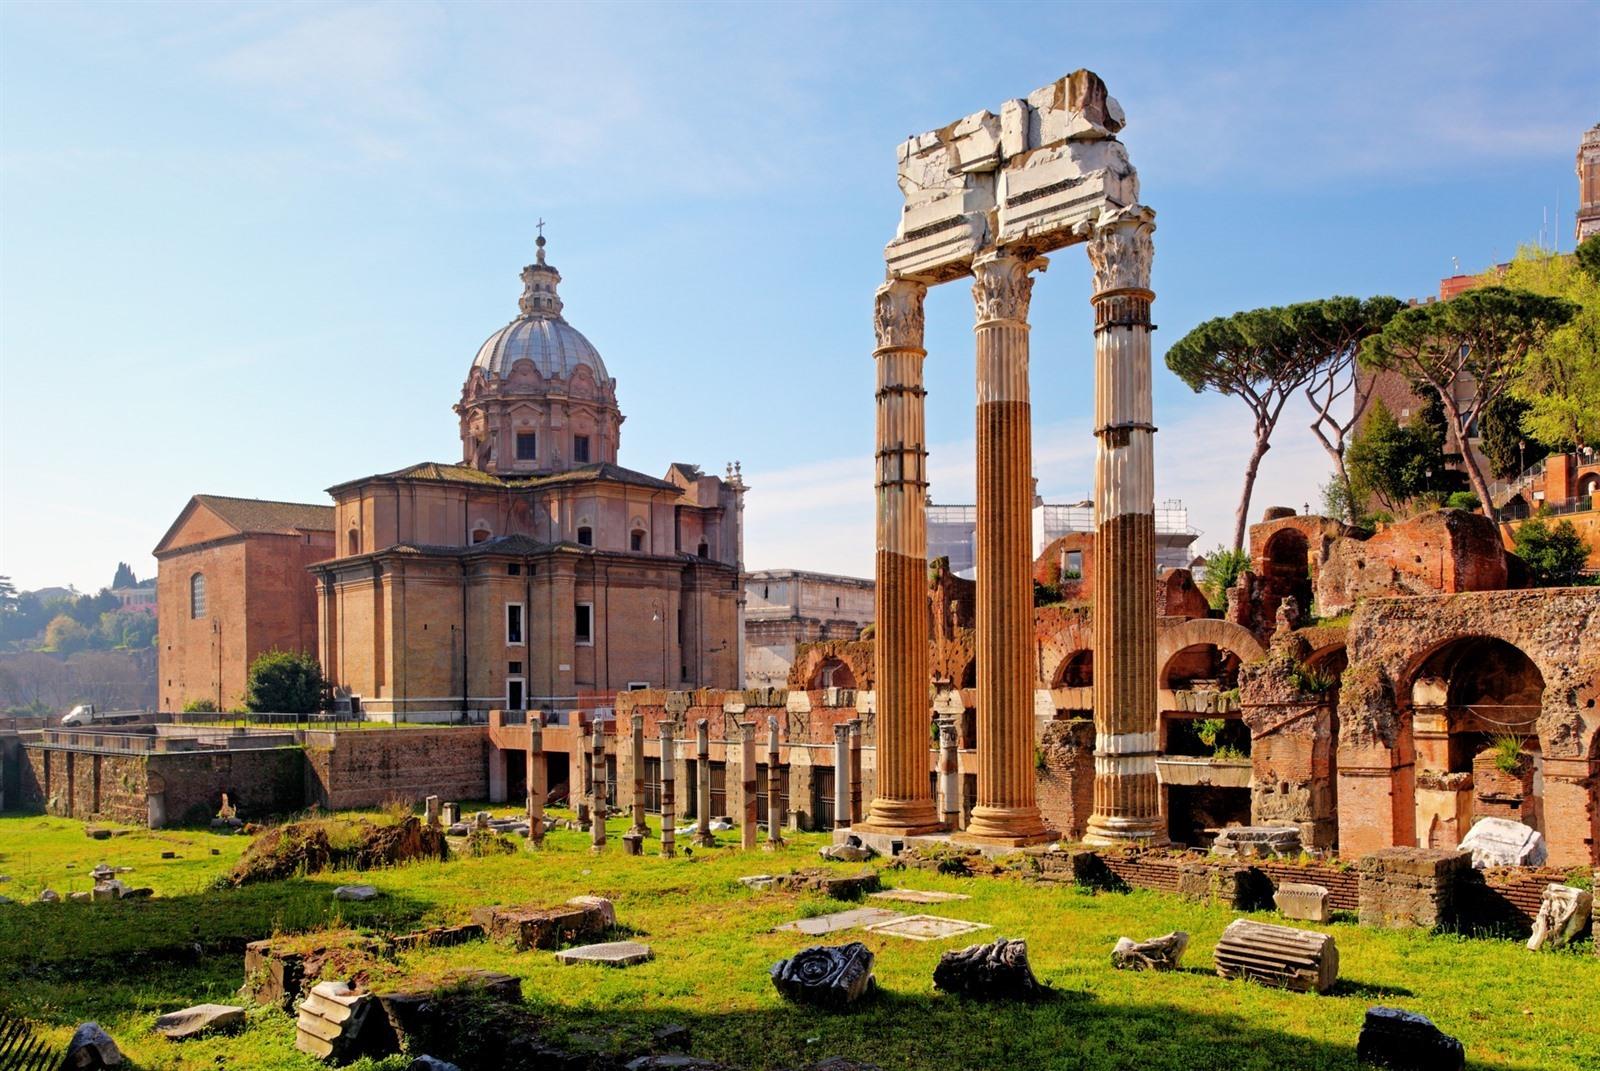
[(987, 197)]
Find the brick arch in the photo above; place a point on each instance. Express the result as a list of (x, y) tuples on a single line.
[(1083, 657), (855, 654), (1207, 630)]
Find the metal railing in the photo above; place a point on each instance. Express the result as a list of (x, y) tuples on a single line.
[(150, 743)]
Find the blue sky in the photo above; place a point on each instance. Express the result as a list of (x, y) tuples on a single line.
[(252, 249)]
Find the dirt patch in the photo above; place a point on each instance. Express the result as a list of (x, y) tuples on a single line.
[(314, 846)]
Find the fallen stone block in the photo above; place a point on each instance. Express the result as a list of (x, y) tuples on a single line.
[(1502, 842), (331, 1021), (609, 954), (1405, 1041), (997, 971), (1257, 841), (356, 892), (430, 1063), (413, 1015), (838, 886), (1564, 913), (200, 1019), (1402, 887), (633, 844), (49, 896), (603, 908), (91, 1049), (1157, 954), (825, 977), (1280, 956), (1301, 900), (529, 926), (79, 897)]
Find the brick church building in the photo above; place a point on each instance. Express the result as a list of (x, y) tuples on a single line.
[(535, 572)]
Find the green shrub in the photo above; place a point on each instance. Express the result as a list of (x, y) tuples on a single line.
[(200, 706), (1223, 567), (1464, 500), (1507, 754), (1208, 730), (1312, 681), (285, 682)]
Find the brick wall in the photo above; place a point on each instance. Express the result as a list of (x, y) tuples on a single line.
[(262, 783), (1066, 783), (363, 768)]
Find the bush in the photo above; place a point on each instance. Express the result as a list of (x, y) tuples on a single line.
[(1555, 555), (1464, 500), (285, 682), (1223, 567), (1508, 754), (200, 706)]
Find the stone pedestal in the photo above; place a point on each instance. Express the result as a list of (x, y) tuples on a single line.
[(1405, 887), (669, 801), (1127, 797), (1005, 811), (903, 804)]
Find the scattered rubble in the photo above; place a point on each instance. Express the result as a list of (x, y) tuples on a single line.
[(1405, 1041), (826, 977), (200, 1019), (1157, 954), (998, 970)]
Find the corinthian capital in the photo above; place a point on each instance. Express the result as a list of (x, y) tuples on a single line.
[(1001, 286), (1120, 249), (897, 316)]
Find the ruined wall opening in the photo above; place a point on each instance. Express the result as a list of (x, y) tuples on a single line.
[(1287, 565), (1075, 671), (1201, 667), (1195, 812), (833, 673)]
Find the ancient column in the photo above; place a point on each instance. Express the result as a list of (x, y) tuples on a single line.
[(1005, 812), (855, 772), (774, 786), (1127, 804), (702, 822), (536, 779), (598, 805), (747, 829), (903, 804), (639, 825), (669, 780), (841, 775), (949, 773), (581, 762)]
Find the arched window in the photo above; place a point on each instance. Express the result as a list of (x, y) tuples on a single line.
[(480, 535), (197, 595), (355, 541), (636, 540), (586, 536), (705, 549)]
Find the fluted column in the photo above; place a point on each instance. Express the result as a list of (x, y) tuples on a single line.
[(903, 804), (1127, 801), (669, 780), (1005, 811), (598, 806)]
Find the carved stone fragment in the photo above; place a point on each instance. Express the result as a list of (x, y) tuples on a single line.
[(1563, 914), (1156, 954), (1281, 956), (1301, 900), (826, 977), (1405, 1041), (998, 970)]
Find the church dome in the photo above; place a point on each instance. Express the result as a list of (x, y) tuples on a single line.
[(540, 335)]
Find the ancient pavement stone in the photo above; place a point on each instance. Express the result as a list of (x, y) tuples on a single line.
[(826, 977), (1405, 1041), (840, 920), (998, 970), (917, 896), (1157, 954), (927, 927), (200, 1019), (610, 954)]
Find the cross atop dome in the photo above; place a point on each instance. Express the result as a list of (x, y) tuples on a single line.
[(539, 281)]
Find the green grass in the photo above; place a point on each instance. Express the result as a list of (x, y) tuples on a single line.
[(122, 964)]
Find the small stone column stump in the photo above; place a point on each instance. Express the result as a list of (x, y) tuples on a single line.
[(1281, 956)]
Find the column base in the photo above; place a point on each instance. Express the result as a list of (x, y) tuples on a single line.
[(901, 818), (1012, 827), (704, 840), (1104, 829)]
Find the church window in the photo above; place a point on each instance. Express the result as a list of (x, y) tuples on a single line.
[(705, 549), (586, 536), (197, 595), (580, 448), (527, 445), (355, 541), (513, 623), (636, 539), (583, 622)]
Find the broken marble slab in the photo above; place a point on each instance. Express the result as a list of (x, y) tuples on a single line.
[(840, 920), (200, 1019), (609, 954), (926, 927), (918, 896)]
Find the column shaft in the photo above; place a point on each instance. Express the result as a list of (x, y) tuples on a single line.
[(1127, 800), (639, 825), (747, 741), (841, 776), (774, 786), (669, 780), (903, 803), (598, 807), (702, 752), (1005, 811), (536, 779)]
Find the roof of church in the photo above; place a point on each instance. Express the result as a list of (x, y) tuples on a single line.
[(540, 334), (262, 515), (602, 471)]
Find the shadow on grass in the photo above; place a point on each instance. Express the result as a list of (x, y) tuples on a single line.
[(1349, 987)]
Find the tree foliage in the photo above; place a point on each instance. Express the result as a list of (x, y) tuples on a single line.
[(1588, 257), (1484, 335), (124, 577), (285, 682), (1223, 567), (1501, 438), (65, 636), (1390, 461), (1559, 381), (1555, 554)]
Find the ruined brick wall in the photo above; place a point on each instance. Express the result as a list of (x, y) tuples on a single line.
[(1066, 780), (1293, 742), (82, 785), (363, 768), (1177, 595), (1059, 556), (261, 783), (1442, 551), (857, 656)]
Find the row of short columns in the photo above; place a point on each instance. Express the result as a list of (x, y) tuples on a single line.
[(1127, 804)]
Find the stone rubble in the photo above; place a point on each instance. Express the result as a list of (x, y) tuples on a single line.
[(1564, 913), (1257, 841), (1157, 954), (824, 976), (1280, 956), (331, 1021), (355, 892), (90, 1049), (1406, 1041), (200, 1019), (998, 970), (1304, 901), (1502, 842)]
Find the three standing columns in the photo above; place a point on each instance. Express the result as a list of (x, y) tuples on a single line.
[(904, 804), (1127, 799), (1005, 811)]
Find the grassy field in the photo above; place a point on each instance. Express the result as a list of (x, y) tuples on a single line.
[(122, 964)]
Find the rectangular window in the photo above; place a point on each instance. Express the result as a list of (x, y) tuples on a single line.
[(513, 570), (652, 786), (580, 448), (513, 623), (514, 668), (584, 624), (527, 446), (638, 686)]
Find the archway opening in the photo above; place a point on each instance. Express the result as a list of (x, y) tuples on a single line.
[(832, 673), (1075, 671)]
